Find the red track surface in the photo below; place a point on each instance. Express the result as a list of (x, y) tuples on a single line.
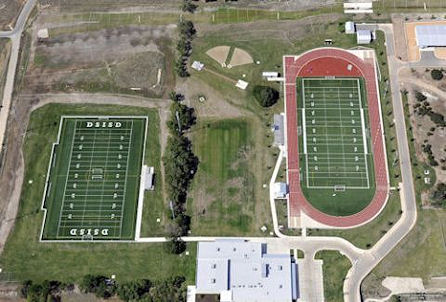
[(333, 62)]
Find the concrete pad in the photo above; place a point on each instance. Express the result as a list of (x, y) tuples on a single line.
[(400, 285), (311, 282)]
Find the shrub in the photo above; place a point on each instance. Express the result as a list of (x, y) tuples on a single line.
[(436, 74), (265, 96)]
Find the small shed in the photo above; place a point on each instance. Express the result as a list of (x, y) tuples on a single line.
[(280, 190), (197, 65), (43, 34), (150, 171), (270, 74), (364, 36), (241, 84), (350, 27)]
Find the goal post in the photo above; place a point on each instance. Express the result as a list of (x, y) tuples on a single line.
[(339, 188)]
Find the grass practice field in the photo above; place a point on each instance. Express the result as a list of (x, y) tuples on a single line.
[(335, 152), (94, 177)]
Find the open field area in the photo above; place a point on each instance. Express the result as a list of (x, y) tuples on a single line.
[(338, 167), (5, 49), (94, 179), (119, 59), (9, 11), (24, 257), (420, 254), (334, 268), (224, 196)]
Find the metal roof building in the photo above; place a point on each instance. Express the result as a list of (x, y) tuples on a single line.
[(430, 35), (363, 36), (241, 271)]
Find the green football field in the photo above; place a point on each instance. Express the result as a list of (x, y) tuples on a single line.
[(93, 181), (335, 151)]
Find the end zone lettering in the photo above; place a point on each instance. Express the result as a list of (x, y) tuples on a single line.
[(104, 125), (93, 232)]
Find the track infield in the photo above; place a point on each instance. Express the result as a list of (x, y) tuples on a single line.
[(93, 178), (337, 167)]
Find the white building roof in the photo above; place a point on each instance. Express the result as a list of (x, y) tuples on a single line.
[(363, 36), (349, 27), (246, 271), (430, 35)]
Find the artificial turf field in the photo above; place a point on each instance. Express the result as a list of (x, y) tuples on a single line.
[(335, 151), (93, 179)]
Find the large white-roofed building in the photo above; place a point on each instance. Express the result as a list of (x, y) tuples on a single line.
[(242, 271), (430, 35)]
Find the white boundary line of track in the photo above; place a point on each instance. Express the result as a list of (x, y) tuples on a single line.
[(48, 184)]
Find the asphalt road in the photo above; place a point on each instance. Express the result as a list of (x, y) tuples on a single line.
[(14, 35)]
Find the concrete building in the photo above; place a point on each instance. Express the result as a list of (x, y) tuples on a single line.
[(364, 36), (242, 271), (280, 190), (350, 27), (278, 129), (430, 36)]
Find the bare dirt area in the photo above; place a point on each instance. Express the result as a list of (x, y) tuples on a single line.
[(5, 49), (111, 59), (424, 129), (219, 53), (275, 30), (240, 57), (214, 105), (9, 11), (399, 30)]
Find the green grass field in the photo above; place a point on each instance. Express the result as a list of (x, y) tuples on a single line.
[(335, 268), (94, 178), (224, 184), (335, 152), (24, 257)]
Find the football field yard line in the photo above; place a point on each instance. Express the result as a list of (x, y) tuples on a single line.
[(88, 182), (126, 177), (337, 122), (66, 181), (104, 177), (342, 137)]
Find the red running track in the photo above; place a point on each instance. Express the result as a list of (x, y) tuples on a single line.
[(333, 62)]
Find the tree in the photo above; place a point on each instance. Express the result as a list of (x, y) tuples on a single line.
[(188, 6), (99, 285), (420, 97), (439, 195), (437, 74), (265, 96), (182, 116), (175, 245), (134, 290)]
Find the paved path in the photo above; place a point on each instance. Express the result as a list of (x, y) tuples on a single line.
[(14, 35)]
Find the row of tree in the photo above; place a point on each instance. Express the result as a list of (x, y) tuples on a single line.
[(184, 46), (180, 165), (171, 289)]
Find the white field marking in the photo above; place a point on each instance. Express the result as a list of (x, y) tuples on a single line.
[(51, 163), (304, 126), (88, 182), (103, 180), (323, 91), (126, 177), (363, 132), (66, 179), (342, 136)]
